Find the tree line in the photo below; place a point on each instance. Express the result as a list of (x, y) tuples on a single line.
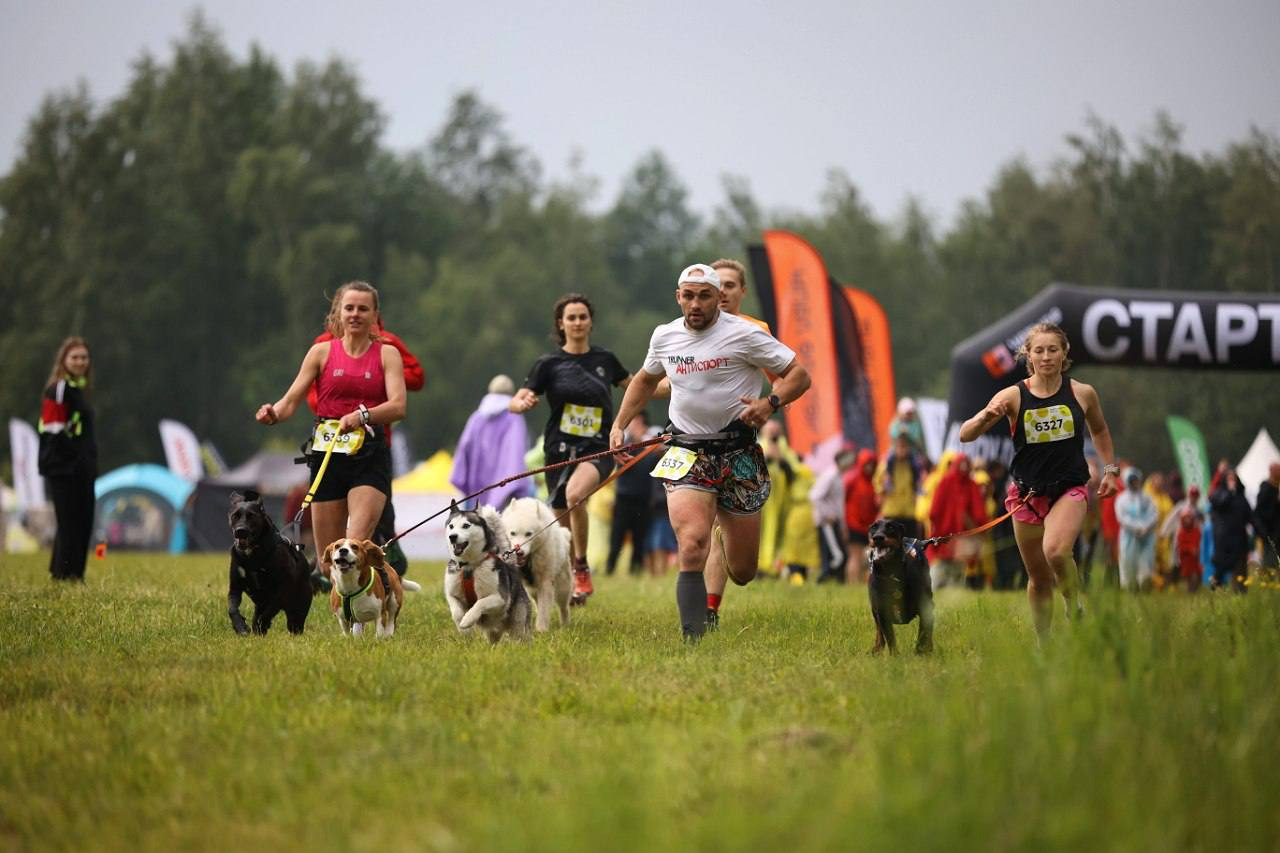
[(194, 227)]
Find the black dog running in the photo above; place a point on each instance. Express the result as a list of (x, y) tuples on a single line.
[(899, 585), (265, 565)]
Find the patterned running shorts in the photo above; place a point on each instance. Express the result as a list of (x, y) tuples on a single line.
[(738, 478)]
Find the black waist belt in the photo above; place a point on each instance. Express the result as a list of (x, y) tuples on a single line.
[(735, 436)]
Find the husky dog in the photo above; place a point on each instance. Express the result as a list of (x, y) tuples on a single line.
[(479, 586), (541, 549)]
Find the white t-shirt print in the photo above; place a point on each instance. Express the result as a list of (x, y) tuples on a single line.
[(711, 369)]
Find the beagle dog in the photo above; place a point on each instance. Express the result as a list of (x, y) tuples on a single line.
[(363, 589)]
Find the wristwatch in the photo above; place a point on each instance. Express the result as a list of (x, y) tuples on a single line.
[(775, 401)]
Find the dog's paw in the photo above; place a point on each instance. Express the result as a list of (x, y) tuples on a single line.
[(241, 627)]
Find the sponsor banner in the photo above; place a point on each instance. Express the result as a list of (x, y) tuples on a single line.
[(933, 422), (181, 450), (1122, 327), (24, 449), (877, 363), (401, 462), (1189, 450), (802, 303), (214, 464)]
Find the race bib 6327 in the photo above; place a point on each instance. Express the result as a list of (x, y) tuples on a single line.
[(1051, 423)]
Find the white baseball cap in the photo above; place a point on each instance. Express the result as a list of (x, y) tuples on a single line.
[(699, 274)]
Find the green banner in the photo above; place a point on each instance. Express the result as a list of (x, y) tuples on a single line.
[(1188, 447)]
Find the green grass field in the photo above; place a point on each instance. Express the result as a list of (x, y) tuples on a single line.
[(135, 719)]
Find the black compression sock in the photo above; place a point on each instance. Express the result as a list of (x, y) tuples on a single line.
[(691, 598)]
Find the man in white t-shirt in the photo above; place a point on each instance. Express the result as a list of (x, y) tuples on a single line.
[(715, 363)]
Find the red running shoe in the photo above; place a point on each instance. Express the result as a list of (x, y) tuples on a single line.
[(582, 587)]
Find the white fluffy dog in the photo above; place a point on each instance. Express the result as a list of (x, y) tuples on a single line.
[(542, 556)]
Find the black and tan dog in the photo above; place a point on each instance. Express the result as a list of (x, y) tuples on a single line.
[(265, 565), (899, 585), (365, 589)]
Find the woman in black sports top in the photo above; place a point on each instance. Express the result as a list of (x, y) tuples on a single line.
[(1048, 489), (578, 381)]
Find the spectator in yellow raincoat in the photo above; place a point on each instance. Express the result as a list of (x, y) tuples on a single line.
[(899, 480), (799, 556), (924, 501), (1164, 576), (780, 458)]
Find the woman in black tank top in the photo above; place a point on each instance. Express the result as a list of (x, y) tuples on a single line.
[(1047, 414)]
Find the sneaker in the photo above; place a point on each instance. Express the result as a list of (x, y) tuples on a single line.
[(713, 619), (582, 588), (320, 583)]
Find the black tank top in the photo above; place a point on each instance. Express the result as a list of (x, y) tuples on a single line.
[(1048, 441)]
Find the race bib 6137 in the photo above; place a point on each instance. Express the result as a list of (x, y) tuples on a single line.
[(675, 463)]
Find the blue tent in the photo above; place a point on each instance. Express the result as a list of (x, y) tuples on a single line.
[(139, 508)]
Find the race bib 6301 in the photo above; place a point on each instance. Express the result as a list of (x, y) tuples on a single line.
[(1052, 423), (347, 442), (583, 421)]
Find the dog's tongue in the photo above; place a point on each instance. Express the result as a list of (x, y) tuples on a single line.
[(458, 548)]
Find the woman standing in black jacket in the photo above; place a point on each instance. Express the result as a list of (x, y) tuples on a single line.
[(1232, 516), (69, 457)]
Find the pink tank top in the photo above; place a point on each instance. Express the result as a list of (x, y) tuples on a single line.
[(346, 382)]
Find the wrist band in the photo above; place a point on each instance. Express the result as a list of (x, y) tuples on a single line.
[(1110, 469), (364, 413)]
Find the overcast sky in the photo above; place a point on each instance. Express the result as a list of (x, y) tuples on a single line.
[(910, 98)]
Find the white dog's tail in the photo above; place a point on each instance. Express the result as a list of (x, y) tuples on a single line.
[(410, 586)]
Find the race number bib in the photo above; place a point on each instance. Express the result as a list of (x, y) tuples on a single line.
[(582, 421), (347, 443), (1052, 423), (674, 464)]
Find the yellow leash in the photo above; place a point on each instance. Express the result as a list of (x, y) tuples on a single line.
[(324, 466)]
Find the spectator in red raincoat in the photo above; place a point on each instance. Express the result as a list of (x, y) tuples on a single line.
[(861, 508), (1111, 532), (957, 505)]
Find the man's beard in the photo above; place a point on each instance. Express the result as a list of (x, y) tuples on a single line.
[(705, 321)]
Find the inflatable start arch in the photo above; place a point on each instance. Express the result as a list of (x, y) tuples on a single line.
[(1151, 328)]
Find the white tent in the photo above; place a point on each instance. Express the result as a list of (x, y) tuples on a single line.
[(1256, 464)]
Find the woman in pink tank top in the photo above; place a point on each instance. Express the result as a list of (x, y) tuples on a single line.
[(360, 385)]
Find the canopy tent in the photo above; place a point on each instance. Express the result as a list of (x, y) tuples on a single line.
[(421, 492), (271, 473), (140, 508), (1256, 464)]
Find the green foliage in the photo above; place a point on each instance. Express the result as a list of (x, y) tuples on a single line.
[(136, 719), (194, 228)]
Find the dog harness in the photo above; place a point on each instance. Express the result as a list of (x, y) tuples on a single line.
[(469, 580), (347, 613)]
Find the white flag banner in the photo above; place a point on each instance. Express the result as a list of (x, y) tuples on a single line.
[(933, 422), (181, 450), (24, 449), (400, 461)]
